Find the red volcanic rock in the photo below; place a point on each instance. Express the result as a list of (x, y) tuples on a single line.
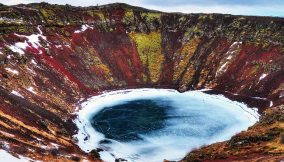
[(52, 57)]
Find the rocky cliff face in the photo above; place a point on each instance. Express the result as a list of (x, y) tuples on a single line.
[(52, 57)]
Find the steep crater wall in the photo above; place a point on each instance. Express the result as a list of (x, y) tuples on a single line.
[(53, 57)]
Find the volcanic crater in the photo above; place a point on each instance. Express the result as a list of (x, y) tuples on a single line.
[(55, 57)]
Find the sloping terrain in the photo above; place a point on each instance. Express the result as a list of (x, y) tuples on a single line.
[(53, 57)]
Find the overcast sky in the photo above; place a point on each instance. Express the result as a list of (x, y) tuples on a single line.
[(239, 7)]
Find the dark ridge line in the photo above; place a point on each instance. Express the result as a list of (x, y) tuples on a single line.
[(128, 6)]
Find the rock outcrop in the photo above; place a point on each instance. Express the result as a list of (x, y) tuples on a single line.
[(52, 57)]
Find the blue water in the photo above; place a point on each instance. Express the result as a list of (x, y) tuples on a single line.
[(133, 120), (126, 122)]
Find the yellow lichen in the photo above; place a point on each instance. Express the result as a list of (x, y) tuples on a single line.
[(128, 16), (182, 57), (103, 68), (144, 77), (149, 49), (151, 16), (47, 14), (100, 15), (187, 77)]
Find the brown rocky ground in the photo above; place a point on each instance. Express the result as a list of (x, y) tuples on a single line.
[(52, 57)]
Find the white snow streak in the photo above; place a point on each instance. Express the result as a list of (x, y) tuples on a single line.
[(262, 77), (12, 71), (271, 104), (232, 49), (32, 40), (17, 93), (31, 89), (83, 28)]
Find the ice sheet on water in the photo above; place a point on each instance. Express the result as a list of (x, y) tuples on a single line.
[(213, 118)]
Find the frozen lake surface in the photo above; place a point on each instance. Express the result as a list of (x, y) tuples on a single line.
[(156, 124)]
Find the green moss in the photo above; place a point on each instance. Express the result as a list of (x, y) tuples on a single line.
[(144, 77), (205, 17), (182, 19), (44, 12), (149, 49), (90, 12), (128, 17), (47, 14), (23, 29), (103, 68), (2, 22), (99, 14), (151, 17), (195, 31), (50, 17)]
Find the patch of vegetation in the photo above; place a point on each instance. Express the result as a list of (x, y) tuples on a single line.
[(150, 17), (63, 132), (268, 67), (246, 140), (128, 17), (184, 55), (149, 49), (103, 68), (205, 17), (43, 123), (237, 23), (50, 17), (142, 21)]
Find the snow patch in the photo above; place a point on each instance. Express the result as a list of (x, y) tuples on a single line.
[(33, 62), (260, 98), (281, 94), (83, 28), (17, 47), (12, 71), (31, 89), (230, 53), (222, 68), (9, 57), (262, 77), (38, 28), (58, 46), (55, 145), (17, 94), (32, 40), (5, 156)]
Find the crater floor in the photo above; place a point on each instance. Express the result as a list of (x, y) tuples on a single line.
[(54, 56), (153, 124)]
